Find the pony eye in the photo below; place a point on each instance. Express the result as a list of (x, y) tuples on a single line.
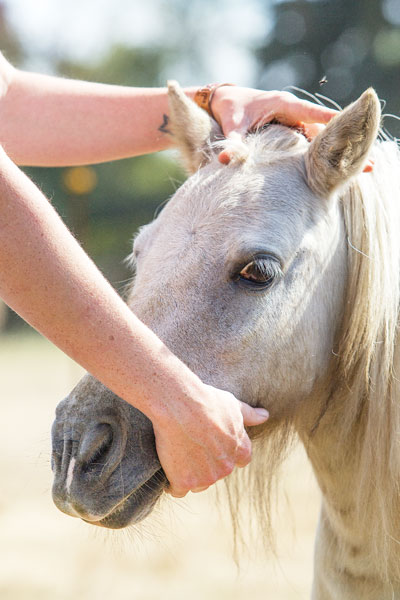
[(260, 273)]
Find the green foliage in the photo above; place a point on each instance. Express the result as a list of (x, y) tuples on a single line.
[(11, 46), (140, 67)]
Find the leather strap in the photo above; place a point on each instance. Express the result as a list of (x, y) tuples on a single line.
[(203, 97)]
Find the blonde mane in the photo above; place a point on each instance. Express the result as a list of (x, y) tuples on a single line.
[(361, 395), (367, 362)]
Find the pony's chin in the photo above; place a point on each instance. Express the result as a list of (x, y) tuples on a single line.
[(135, 507)]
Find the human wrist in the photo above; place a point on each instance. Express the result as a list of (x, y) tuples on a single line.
[(205, 95), (172, 388)]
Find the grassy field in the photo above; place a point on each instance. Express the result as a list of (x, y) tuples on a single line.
[(182, 552)]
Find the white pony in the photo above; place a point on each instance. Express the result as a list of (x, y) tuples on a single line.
[(275, 277)]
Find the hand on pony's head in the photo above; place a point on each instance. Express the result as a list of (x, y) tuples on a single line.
[(243, 109)]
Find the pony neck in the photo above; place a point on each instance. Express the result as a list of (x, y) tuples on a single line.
[(348, 540)]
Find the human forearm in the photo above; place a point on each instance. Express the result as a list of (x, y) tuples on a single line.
[(47, 278), (49, 121)]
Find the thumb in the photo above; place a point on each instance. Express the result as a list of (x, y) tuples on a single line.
[(232, 137), (312, 129), (253, 416)]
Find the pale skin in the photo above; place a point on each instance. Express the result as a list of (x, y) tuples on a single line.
[(47, 278)]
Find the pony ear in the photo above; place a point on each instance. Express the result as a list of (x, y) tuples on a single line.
[(191, 128), (341, 149)]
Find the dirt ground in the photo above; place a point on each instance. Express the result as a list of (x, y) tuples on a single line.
[(182, 552)]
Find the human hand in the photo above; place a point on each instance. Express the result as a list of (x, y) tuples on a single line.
[(203, 439), (241, 109)]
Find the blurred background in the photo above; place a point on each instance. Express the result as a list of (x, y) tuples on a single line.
[(334, 48)]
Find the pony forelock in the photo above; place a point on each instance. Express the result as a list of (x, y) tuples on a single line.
[(264, 146)]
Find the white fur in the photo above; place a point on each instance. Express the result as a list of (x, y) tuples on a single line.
[(70, 474)]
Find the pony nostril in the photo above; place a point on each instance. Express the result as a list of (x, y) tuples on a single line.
[(95, 447)]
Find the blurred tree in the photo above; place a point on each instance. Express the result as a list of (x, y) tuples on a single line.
[(352, 45), (122, 65), (10, 45)]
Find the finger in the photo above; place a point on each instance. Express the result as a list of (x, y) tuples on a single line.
[(302, 110), (369, 167), (224, 157), (200, 489), (312, 129), (253, 416), (243, 456), (176, 492)]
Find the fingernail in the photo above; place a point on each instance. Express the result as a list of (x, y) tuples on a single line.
[(262, 412), (224, 158)]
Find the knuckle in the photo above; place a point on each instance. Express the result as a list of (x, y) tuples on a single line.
[(286, 97), (189, 483), (243, 456), (200, 482), (243, 462), (176, 492), (211, 479), (184, 484), (225, 468), (200, 489), (245, 447)]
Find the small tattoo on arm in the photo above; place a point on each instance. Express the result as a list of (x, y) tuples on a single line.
[(164, 126)]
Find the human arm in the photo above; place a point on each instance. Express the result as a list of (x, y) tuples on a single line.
[(51, 121), (47, 278)]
